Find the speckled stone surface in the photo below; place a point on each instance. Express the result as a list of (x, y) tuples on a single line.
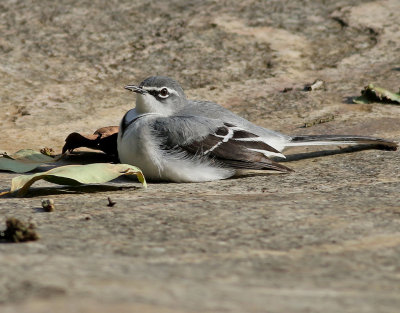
[(324, 238)]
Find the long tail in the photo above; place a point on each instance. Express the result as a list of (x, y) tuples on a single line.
[(320, 140)]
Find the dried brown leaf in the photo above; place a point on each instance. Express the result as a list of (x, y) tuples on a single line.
[(104, 139)]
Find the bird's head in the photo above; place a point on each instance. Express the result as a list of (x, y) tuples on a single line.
[(158, 94)]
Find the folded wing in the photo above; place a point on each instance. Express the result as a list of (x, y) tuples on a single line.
[(224, 143)]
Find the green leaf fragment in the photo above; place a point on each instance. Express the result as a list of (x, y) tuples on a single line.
[(16, 166), (73, 175), (372, 93), (362, 100), (29, 155), (25, 160)]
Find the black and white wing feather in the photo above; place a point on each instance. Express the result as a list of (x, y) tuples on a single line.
[(223, 143)]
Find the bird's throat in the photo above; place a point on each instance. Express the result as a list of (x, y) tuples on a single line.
[(146, 103)]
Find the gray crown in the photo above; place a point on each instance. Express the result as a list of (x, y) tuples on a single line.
[(163, 81)]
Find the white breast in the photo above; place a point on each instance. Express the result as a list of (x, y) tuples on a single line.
[(135, 146)]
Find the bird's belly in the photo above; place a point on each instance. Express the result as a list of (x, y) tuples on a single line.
[(191, 171), (168, 168), (135, 149), (158, 165)]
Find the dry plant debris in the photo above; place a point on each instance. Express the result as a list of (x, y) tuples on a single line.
[(110, 202), (47, 151), (320, 120), (48, 205), (317, 84), (18, 231)]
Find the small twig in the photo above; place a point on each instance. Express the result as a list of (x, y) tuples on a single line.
[(287, 89), (319, 121), (317, 84), (110, 202)]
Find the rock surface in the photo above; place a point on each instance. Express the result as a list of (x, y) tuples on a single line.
[(325, 238)]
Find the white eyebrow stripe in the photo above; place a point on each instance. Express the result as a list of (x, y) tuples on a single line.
[(159, 89)]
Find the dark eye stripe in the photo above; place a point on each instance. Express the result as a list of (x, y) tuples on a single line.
[(156, 93), (153, 92)]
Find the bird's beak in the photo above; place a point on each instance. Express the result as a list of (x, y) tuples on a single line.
[(135, 89)]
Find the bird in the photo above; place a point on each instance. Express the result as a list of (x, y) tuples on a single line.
[(172, 138)]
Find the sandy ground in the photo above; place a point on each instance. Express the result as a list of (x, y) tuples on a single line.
[(325, 238)]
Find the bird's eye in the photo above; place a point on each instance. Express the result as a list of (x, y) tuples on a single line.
[(164, 93)]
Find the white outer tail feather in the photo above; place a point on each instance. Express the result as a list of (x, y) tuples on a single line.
[(321, 143), (320, 140)]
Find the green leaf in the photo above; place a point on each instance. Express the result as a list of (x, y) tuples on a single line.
[(362, 100), (372, 93), (72, 175), (24, 160)]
